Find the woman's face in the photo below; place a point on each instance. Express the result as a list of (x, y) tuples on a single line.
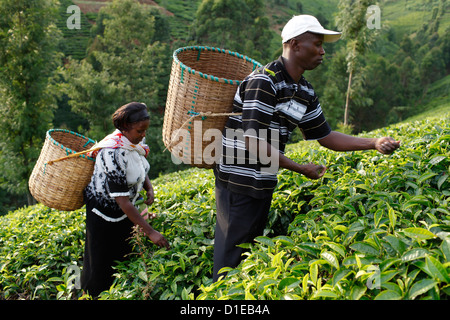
[(136, 131)]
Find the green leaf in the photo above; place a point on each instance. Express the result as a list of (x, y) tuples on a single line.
[(289, 283), (445, 248), (357, 292), (184, 294), (426, 176), (414, 254), (287, 241), (392, 217), (265, 241), (326, 293), (377, 217), (265, 283), (419, 233), (395, 243), (442, 180), (339, 275), (314, 271), (364, 247), (249, 296), (336, 247), (436, 160), (420, 287), (416, 200), (143, 276), (388, 295), (437, 269), (305, 283), (330, 258), (182, 264)]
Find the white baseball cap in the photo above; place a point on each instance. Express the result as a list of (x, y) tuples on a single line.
[(304, 23)]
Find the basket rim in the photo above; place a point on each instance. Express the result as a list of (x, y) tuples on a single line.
[(183, 66), (68, 150)]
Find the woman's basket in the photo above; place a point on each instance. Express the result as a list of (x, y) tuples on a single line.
[(60, 184), (202, 85)]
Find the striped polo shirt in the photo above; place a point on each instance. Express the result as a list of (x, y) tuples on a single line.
[(269, 106)]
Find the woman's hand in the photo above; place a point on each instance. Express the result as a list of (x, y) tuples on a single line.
[(150, 197), (150, 193), (158, 239), (135, 216)]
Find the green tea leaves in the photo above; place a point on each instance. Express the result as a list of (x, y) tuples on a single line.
[(419, 233)]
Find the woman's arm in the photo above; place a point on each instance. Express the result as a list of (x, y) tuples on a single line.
[(135, 217), (150, 193)]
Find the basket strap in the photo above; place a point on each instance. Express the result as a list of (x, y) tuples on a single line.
[(203, 115), (73, 155)]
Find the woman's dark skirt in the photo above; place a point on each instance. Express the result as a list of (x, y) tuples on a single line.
[(106, 243)]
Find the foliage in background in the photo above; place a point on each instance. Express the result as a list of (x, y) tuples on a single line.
[(351, 20), (126, 63), (238, 25), (28, 59), (375, 227)]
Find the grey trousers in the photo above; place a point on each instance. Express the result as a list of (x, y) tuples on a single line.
[(240, 219)]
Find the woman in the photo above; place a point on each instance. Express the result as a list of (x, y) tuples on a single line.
[(120, 172)]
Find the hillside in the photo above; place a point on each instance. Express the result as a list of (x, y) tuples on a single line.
[(375, 227)]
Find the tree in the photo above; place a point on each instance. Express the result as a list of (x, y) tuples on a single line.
[(238, 25), (351, 20), (28, 59), (126, 63)]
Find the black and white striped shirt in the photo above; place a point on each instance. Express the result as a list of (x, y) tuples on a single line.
[(269, 106)]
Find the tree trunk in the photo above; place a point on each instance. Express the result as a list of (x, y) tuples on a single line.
[(347, 100)]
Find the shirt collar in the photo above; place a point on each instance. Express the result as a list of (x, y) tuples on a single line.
[(288, 77)]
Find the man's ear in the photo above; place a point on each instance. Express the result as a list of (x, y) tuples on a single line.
[(296, 45)]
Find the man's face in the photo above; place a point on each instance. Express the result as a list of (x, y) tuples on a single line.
[(308, 50)]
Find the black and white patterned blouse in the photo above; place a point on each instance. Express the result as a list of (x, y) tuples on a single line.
[(117, 172)]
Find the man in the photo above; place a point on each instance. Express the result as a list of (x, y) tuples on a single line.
[(269, 104)]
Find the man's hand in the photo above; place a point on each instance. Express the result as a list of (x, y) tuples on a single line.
[(313, 171), (386, 145)]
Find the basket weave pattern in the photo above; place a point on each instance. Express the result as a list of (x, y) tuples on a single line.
[(60, 185), (203, 81)]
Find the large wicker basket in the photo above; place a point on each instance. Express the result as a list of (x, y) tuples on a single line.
[(60, 185), (203, 83)]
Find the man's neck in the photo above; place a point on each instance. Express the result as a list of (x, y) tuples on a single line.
[(294, 70)]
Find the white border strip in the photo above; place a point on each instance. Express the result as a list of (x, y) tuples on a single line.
[(109, 219)]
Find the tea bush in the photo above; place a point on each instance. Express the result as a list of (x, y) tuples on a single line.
[(375, 227), (37, 245)]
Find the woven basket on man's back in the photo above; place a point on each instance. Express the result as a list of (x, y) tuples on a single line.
[(203, 83), (60, 184)]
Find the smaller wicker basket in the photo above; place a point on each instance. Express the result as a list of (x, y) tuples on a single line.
[(202, 85), (60, 184)]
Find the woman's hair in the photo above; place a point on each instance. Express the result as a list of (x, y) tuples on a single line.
[(130, 113)]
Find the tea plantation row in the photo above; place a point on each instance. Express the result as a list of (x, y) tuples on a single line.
[(375, 227)]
